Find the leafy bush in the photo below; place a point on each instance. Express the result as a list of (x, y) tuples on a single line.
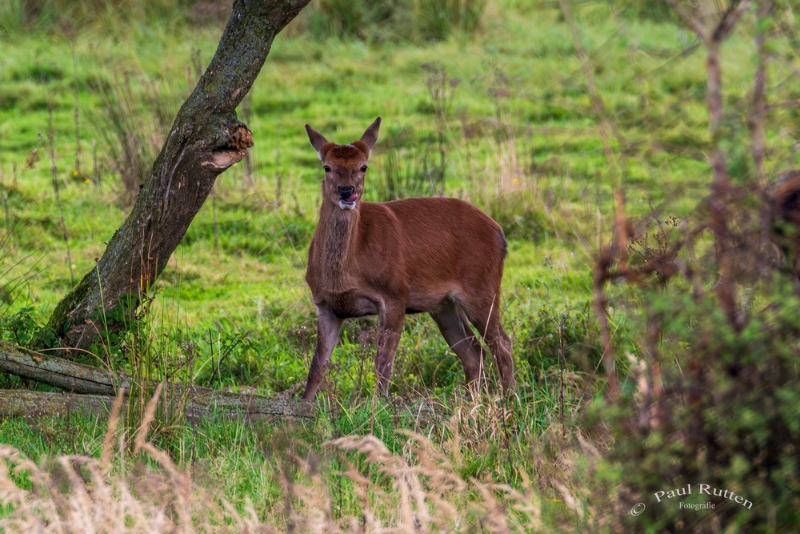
[(726, 418), (20, 327), (712, 397)]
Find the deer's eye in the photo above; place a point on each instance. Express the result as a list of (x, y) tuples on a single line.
[(327, 169), (363, 168)]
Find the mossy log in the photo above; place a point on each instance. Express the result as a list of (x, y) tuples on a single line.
[(23, 403), (205, 140), (96, 386)]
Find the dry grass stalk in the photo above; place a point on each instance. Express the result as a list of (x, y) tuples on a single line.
[(429, 494), (419, 490), (54, 171)]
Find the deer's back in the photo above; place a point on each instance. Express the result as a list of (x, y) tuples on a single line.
[(434, 240), (786, 197)]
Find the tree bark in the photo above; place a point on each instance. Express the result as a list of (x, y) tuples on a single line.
[(58, 372), (98, 386), (23, 403), (205, 139)]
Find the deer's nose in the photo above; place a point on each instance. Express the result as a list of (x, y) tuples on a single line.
[(346, 192)]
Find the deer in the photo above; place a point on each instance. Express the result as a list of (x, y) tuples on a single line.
[(784, 196), (435, 255)]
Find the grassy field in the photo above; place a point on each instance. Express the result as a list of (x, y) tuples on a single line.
[(519, 137)]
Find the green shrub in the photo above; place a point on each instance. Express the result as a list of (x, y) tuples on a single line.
[(709, 397), (726, 418)]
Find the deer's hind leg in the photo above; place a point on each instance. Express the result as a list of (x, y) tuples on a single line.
[(483, 312), (454, 326)]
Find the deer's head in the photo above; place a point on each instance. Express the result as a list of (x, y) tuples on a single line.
[(345, 166)]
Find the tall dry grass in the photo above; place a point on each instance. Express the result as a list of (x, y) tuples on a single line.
[(133, 127), (419, 490)]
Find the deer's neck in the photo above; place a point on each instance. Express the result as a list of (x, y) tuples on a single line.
[(336, 236)]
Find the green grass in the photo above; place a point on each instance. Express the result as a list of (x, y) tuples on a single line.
[(243, 462), (532, 157)]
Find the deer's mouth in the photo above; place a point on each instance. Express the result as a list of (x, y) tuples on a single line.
[(348, 202)]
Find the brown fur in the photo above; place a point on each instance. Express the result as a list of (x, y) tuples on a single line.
[(442, 256), (785, 198)]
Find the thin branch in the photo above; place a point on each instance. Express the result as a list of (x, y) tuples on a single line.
[(693, 22), (729, 19), (759, 113), (601, 270), (720, 186)]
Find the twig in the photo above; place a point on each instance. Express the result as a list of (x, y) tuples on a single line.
[(562, 362), (76, 114), (758, 118), (759, 113), (694, 23), (720, 186), (214, 215), (730, 18), (54, 171), (247, 180), (95, 170), (601, 270), (655, 323)]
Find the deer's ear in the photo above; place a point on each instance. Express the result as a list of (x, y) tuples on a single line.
[(370, 136), (318, 140)]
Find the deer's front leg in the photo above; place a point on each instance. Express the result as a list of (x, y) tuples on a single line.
[(390, 326), (328, 328)]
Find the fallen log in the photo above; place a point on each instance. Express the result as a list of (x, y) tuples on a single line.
[(97, 387), (58, 372), (24, 403), (196, 408)]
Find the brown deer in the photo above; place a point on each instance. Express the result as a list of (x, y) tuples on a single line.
[(785, 197), (442, 256)]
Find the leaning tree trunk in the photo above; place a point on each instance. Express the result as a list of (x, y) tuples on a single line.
[(205, 140)]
